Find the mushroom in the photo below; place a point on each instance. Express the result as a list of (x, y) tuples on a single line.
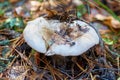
[(61, 38)]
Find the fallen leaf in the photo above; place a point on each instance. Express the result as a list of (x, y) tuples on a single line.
[(13, 1), (108, 41), (37, 58), (98, 50), (1, 74), (33, 5), (109, 21)]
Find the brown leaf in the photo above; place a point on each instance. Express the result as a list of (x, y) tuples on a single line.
[(13, 1), (112, 23), (98, 50), (1, 74), (114, 5), (37, 58), (33, 5)]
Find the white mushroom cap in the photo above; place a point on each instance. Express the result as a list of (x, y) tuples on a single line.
[(44, 36), (32, 34)]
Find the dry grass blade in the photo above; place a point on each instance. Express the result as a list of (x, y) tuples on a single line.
[(27, 60), (18, 41), (54, 72)]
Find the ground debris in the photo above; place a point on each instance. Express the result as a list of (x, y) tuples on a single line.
[(19, 62)]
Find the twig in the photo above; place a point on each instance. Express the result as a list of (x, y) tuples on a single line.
[(27, 60), (12, 62)]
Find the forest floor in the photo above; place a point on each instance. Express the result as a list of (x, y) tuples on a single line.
[(20, 62)]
